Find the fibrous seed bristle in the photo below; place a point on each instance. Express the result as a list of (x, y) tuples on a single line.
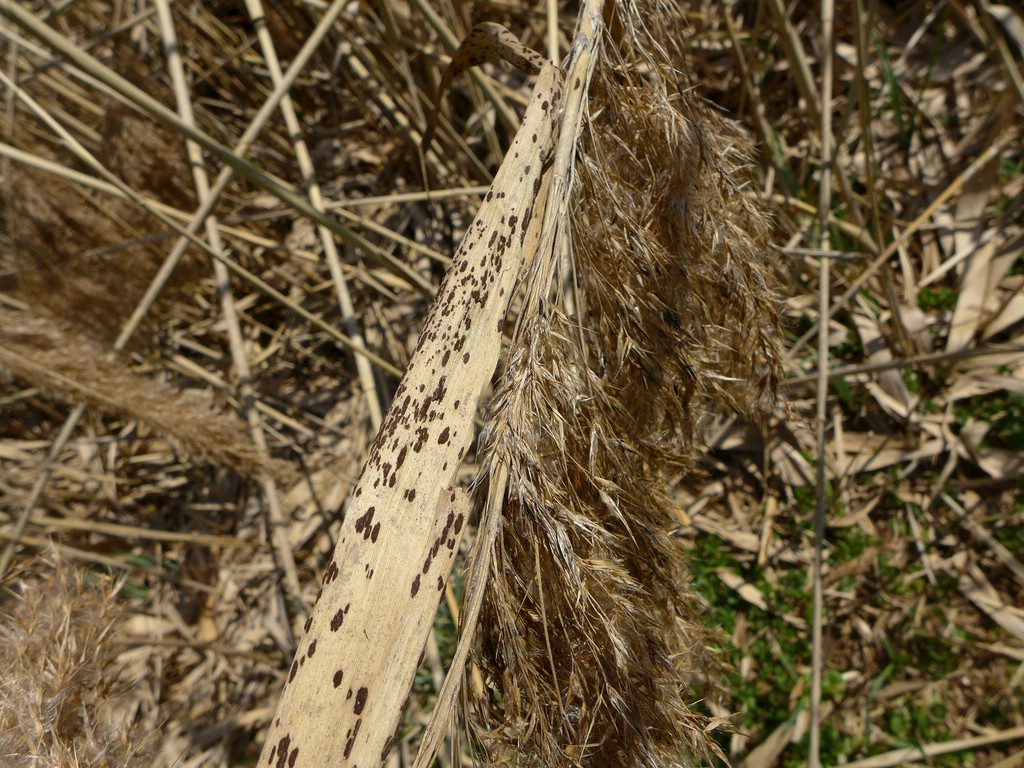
[(591, 640)]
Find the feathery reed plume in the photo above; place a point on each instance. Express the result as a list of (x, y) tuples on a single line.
[(65, 363), (589, 640), (60, 689), (677, 281)]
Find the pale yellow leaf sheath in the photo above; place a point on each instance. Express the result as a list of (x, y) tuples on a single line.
[(358, 656)]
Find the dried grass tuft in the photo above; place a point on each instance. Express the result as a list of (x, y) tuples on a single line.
[(61, 689), (64, 363), (591, 644)]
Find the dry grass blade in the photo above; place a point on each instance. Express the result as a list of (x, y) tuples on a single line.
[(229, 310), (821, 409), (485, 42), (928, 751)]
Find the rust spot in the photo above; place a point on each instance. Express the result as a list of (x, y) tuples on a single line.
[(443, 437), (360, 704), (415, 586), (282, 750), (363, 522), (312, 649), (292, 757), (375, 532), (295, 668), (338, 677), (331, 573), (387, 748), (352, 739), (339, 618)]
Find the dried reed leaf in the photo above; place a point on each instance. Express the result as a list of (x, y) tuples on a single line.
[(365, 635), (1012, 23)]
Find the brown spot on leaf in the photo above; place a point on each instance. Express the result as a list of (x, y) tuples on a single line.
[(352, 738), (339, 618), (363, 522), (282, 750), (360, 704)]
